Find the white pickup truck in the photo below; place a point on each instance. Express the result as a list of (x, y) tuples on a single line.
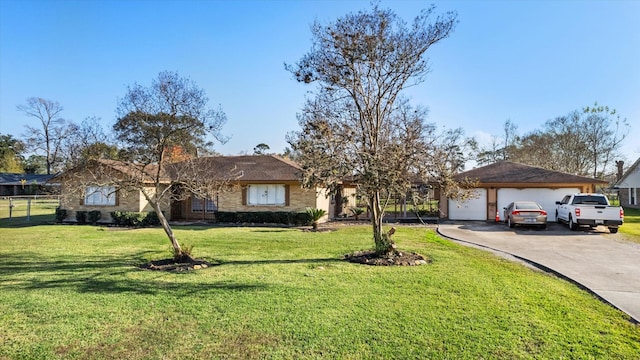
[(589, 209)]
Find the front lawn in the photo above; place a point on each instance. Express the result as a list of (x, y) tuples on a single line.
[(75, 292), (631, 226)]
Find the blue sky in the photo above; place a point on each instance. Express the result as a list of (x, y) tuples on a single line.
[(528, 61)]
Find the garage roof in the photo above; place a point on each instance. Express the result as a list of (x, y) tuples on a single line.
[(509, 172)]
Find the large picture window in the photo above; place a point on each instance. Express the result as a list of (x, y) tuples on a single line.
[(197, 204), (100, 195), (266, 194)]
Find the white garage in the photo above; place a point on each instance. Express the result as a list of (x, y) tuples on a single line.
[(502, 182), (544, 196), (471, 209)]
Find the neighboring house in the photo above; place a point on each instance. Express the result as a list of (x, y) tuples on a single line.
[(24, 184), (259, 183), (503, 182), (629, 186)]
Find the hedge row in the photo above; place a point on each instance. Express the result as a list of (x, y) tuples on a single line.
[(143, 219), (135, 219), (264, 217)]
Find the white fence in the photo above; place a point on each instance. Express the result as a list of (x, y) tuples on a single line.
[(27, 206)]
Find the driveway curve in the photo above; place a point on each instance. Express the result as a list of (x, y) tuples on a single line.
[(594, 259)]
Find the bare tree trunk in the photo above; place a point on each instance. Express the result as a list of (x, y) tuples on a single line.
[(177, 250), (383, 242)]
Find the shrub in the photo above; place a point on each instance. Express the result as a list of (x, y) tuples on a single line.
[(263, 217), (356, 211), (61, 214), (427, 212), (134, 219), (315, 214), (151, 219), (187, 251), (94, 216), (81, 217)]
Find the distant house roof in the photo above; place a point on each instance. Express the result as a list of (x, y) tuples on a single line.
[(509, 172), (261, 168), (624, 180), (29, 179)]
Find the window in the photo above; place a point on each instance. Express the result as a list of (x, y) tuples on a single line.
[(100, 195), (266, 194), (198, 203)]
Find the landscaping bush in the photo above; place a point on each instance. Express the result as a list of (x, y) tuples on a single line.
[(94, 216), (263, 217), (81, 217), (151, 219), (61, 214), (134, 219)]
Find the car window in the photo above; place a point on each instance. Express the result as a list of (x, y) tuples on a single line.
[(527, 205), (589, 200)]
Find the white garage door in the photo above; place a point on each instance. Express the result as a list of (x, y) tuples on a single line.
[(545, 197), (472, 209)]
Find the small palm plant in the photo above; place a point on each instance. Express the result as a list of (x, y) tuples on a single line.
[(315, 215), (356, 211)]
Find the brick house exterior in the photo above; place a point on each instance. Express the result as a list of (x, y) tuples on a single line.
[(260, 183)]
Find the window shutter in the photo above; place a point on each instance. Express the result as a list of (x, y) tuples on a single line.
[(244, 195), (286, 195), (117, 194), (82, 195)]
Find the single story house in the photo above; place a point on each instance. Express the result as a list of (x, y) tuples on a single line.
[(12, 184), (254, 183), (500, 183), (628, 186)]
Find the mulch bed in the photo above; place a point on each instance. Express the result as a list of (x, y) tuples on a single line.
[(397, 258), (172, 265)]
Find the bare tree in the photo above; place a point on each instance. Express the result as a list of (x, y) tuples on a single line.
[(490, 153), (604, 133), (510, 138), (356, 125), (500, 148), (89, 142), (47, 136), (152, 122), (581, 142)]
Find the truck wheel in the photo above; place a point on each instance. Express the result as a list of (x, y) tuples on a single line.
[(572, 226), (557, 218), (613, 230)]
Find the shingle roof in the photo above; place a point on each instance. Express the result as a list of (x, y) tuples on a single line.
[(510, 172), (30, 179), (622, 182), (112, 168), (250, 168)]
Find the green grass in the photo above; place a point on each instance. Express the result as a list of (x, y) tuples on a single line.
[(631, 226), (75, 292), (42, 211)]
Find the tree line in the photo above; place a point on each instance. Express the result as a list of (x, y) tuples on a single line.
[(583, 142)]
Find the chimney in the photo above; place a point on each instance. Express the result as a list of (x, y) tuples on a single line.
[(620, 165)]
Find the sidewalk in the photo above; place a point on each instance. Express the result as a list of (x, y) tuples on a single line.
[(607, 267)]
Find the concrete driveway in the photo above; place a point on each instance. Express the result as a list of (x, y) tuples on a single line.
[(601, 262)]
